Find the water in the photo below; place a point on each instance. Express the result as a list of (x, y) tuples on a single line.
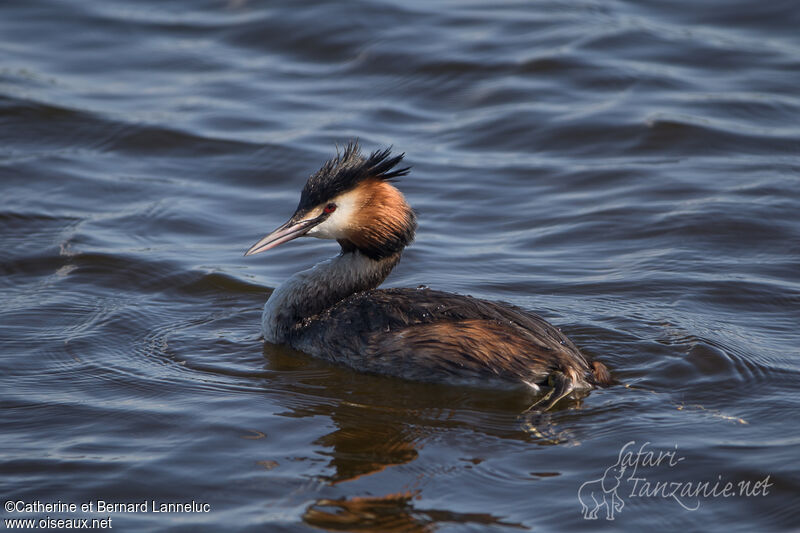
[(629, 170)]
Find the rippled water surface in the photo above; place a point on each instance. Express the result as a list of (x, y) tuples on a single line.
[(630, 170)]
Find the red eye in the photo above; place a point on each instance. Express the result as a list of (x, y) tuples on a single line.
[(330, 208)]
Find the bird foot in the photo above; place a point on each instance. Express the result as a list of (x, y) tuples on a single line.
[(560, 386)]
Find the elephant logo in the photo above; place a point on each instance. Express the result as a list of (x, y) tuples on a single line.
[(602, 492)]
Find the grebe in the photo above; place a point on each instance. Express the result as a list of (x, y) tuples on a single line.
[(334, 311)]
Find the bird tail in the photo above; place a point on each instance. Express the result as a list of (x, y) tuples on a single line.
[(602, 376)]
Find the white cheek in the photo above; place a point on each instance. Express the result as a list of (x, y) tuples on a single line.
[(333, 228), (337, 224)]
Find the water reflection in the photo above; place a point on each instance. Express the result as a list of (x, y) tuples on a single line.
[(392, 512), (357, 450), (382, 423)]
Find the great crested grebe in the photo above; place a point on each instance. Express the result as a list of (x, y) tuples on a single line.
[(334, 311)]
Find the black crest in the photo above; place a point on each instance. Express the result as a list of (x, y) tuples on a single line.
[(346, 170)]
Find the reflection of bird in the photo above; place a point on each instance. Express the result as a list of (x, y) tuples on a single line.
[(333, 310), (390, 513)]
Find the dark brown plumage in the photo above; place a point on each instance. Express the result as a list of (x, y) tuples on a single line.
[(423, 335)]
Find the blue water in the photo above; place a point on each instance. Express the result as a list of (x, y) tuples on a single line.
[(631, 171)]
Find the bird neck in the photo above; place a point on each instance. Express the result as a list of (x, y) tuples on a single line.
[(310, 292)]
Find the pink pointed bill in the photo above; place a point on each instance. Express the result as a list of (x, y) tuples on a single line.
[(287, 232)]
